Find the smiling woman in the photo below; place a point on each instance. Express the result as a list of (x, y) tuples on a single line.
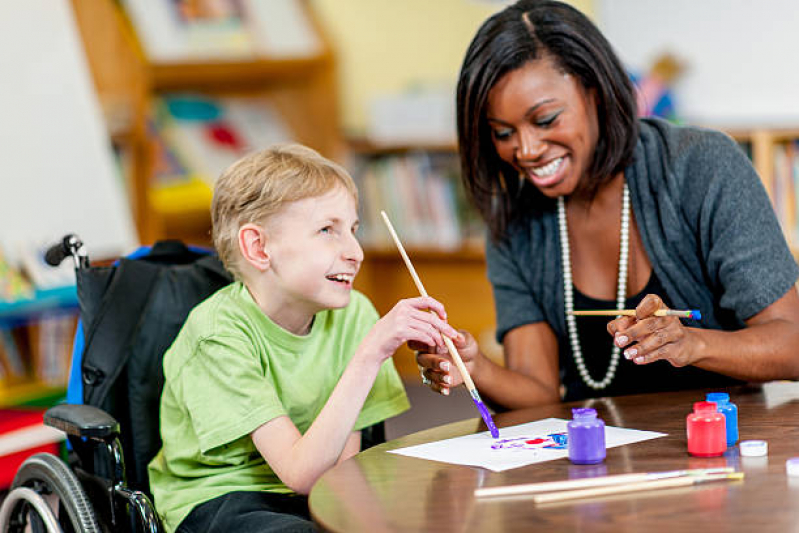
[(590, 207)]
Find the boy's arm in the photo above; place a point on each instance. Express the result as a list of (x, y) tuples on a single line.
[(352, 447), (299, 460)]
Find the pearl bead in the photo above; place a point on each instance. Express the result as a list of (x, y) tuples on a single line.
[(568, 296)]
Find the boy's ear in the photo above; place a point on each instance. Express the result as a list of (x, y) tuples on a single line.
[(252, 244)]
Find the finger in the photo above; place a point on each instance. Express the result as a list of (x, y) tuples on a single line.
[(644, 328), (426, 302), (421, 347), (651, 344), (648, 306), (429, 360), (618, 325), (435, 321)]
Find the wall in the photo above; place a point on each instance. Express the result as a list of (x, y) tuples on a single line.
[(388, 46), (740, 54)]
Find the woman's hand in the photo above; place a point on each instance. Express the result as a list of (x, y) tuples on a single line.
[(646, 338), (409, 320), (437, 365)]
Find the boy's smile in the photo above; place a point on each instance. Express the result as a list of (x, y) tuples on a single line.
[(314, 257)]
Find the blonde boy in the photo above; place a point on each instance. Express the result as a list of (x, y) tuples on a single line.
[(272, 378)]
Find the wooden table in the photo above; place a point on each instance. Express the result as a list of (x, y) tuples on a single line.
[(379, 491)]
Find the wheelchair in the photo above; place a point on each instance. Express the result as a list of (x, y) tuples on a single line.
[(130, 313)]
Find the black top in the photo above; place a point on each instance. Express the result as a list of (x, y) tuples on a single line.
[(596, 344)]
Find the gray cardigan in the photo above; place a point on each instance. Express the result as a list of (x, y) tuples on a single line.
[(706, 222)]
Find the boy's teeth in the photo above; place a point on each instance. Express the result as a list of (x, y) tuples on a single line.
[(342, 277), (548, 169)]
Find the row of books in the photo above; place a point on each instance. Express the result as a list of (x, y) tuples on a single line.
[(191, 30), (422, 195), (785, 188), (196, 137), (41, 350)]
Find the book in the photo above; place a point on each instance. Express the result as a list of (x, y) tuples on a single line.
[(197, 137), (22, 434), (212, 30)]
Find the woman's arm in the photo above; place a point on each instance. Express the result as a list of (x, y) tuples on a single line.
[(767, 348), (530, 375)]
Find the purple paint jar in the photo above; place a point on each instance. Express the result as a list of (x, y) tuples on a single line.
[(586, 437)]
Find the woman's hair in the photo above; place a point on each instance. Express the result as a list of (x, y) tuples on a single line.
[(531, 30), (260, 184)]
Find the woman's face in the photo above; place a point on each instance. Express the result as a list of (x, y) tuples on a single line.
[(544, 123)]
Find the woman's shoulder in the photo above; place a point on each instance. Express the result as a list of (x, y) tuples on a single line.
[(688, 142)]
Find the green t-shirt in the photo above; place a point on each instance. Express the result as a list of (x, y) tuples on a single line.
[(230, 370)]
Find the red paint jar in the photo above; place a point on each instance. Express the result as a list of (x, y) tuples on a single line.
[(706, 429)]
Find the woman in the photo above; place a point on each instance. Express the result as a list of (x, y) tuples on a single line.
[(589, 207)]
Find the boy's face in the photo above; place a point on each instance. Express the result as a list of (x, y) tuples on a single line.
[(313, 253)]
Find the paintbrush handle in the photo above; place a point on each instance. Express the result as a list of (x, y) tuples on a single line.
[(631, 487), (601, 481), (552, 486), (631, 312), (456, 357)]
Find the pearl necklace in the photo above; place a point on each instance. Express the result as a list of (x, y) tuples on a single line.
[(568, 295)]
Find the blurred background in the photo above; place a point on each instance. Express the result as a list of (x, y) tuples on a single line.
[(117, 115)]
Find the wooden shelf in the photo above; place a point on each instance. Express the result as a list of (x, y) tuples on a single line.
[(28, 393), (471, 253), (231, 75), (365, 147)]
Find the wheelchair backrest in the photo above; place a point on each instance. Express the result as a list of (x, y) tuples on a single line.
[(131, 312)]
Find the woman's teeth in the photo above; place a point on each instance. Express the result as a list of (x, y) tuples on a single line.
[(548, 169)]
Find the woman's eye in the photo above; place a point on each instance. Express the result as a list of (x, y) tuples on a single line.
[(547, 121), (502, 135)]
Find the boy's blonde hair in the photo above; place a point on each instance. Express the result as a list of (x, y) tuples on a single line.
[(257, 186)]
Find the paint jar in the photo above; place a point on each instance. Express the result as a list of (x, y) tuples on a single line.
[(586, 437), (730, 412), (705, 427)]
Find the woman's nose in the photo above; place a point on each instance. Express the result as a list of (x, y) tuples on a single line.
[(530, 146)]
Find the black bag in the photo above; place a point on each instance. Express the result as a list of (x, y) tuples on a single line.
[(131, 313)]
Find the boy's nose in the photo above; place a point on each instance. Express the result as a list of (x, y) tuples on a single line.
[(353, 251)]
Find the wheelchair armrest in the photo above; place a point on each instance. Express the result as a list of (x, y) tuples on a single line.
[(82, 421)]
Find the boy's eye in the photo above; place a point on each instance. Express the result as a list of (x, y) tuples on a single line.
[(326, 229)]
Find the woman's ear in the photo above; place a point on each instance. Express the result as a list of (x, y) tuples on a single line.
[(252, 245)]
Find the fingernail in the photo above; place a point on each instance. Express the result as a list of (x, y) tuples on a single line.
[(629, 354), (444, 366), (445, 392), (621, 340), (639, 360), (447, 379)]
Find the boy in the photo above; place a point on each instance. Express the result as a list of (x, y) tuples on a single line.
[(271, 378)]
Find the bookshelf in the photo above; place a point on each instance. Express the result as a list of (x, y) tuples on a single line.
[(450, 263), (131, 82), (35, 346), (775, 155)]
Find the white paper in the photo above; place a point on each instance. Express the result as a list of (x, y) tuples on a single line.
[(476, 449)]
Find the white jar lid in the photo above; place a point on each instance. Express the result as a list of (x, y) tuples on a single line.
[(753, 448), (792, 466)]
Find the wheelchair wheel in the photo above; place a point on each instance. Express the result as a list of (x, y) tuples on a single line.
[(49, 477)]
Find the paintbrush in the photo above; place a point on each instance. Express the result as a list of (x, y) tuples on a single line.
[(689, 313), (601, 481), (657, 484), (467, 379)]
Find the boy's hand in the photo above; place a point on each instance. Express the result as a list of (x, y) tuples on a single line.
[(436, 364), (409, 320)]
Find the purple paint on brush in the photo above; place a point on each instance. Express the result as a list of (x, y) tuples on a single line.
[(486, 417)]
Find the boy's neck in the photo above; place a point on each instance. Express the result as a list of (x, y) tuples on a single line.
[(288, 317)]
